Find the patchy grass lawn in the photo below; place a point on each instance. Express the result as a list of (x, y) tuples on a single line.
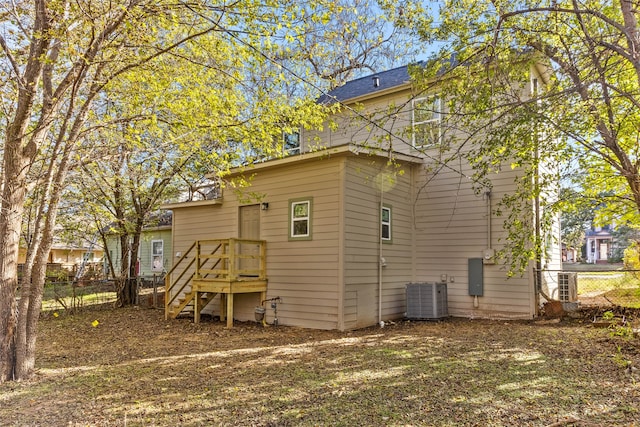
[(136, 369)]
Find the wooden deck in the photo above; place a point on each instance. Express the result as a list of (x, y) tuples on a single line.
[(208, 268)]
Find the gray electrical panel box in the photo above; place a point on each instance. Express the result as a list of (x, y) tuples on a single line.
[(476, 276)]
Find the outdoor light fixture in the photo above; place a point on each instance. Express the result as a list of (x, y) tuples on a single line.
[(264, 206)]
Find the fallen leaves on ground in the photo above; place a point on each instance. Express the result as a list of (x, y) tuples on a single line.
[(137, 369)]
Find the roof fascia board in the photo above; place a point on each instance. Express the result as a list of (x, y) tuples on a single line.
[(348, 149), (191, 204), (404, 86)]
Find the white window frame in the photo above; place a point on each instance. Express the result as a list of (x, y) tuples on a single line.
[(435, 120), (385, 223), (293, 219), (157, 255), (293, 150)]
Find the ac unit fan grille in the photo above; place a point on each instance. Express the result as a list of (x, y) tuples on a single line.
[(426, 300)]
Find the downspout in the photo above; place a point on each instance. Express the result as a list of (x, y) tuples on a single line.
[(538, 279), (538, 233), (380, 322), (487, 194), (488, 252)]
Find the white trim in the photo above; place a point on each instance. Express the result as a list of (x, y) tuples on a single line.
[(295, 219), (159, 256), (387, 223), (435, 120)]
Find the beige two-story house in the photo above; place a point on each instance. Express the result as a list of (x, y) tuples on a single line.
[(340, 226)]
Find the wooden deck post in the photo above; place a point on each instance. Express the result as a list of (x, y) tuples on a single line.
[(196, 307), (233, 275), (197, 275), (230, 310)]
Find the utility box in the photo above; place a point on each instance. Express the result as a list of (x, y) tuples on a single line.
[(476, 277), (426, 301), (568, 287)]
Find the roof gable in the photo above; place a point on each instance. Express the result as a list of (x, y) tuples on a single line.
[(368, 85)]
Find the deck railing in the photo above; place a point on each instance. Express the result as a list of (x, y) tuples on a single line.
[(231, 259)]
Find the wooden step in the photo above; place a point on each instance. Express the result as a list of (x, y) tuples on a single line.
[(187, 301)]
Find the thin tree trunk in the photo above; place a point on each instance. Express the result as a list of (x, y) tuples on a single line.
[(15, 166), (125, 259), (26, 351)]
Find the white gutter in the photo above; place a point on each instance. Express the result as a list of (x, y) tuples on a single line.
[(380, 322)]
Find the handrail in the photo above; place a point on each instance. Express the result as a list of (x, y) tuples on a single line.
[(182, 257), (168, 299), (177, 280)]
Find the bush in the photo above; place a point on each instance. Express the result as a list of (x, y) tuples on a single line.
[(632, 256)]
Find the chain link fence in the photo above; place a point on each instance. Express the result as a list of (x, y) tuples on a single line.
[(592, 288), (73, 295)]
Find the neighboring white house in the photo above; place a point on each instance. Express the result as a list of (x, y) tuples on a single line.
[(599, 243)]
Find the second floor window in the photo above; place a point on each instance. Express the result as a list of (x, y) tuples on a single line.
[(426, 121), (291, 143)]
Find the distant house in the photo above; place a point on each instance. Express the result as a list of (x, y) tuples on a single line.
[(69, 258), (569, 253), (154, 254), (338, 229), (599, 244)]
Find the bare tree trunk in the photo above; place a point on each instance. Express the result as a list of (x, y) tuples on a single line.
[(18, 154), (128, 290), (15, 170), (126, 258), (25, 352), (26, 344)]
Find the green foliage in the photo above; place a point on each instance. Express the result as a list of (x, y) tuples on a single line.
[(213, 102), (623, 236), (632, 256), (547, 90)]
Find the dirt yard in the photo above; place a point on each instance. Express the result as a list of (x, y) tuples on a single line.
[(130, 367)]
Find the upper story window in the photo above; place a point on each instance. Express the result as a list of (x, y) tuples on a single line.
[(291, 142), (427, 121)]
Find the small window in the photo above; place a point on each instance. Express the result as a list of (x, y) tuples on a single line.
[(385, 224), (157, 255), (291, 143), (300, 219), (427, 121)]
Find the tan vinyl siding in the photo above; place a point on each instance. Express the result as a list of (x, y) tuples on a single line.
[(389, 115), (303, 273), (332, 280), (362, 244), (452, 227)]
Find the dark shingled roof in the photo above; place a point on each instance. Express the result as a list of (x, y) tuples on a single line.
[(365, 85)]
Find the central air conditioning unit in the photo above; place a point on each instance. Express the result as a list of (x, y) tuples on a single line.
[(426, 301), (567, 287)]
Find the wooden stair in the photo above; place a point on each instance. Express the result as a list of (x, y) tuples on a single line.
[(211, 267), (186, 303)]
